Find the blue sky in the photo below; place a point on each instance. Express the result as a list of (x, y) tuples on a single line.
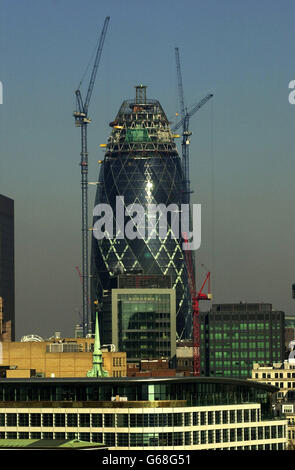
[(242, 157)]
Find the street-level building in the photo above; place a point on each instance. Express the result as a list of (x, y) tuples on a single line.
[(199, 413)]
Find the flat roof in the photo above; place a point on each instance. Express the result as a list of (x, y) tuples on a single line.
[(48, 444), (143, 380)]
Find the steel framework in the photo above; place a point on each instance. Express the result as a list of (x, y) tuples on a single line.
[(82, 120)]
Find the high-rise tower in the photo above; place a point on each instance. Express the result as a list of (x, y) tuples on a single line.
[(7, 262), (142, 165)]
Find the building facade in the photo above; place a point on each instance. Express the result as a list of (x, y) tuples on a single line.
[(144, 323), (7, 290), (68, 358), (141, 165), (134, 414), (234, 336), (280, 375)]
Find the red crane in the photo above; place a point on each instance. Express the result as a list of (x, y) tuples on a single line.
[(196, 297)]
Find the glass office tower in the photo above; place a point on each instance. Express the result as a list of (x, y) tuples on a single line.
[(142, 165)]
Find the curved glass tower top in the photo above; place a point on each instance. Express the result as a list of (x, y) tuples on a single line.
[(141, 165)]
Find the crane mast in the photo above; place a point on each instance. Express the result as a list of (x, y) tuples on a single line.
[(184, 122), (82, 120), (196, 297)]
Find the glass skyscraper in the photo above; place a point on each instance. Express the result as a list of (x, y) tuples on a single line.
[(142, 165)]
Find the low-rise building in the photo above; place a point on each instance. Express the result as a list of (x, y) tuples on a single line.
[(68, 357), (174, 413), (280, 375)]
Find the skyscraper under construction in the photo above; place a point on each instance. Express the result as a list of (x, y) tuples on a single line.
[(142, 166)]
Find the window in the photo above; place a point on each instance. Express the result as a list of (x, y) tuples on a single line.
[(60, 420), (109, 439), (210, 436), (187, 419), (97, 437), (195, 437), (246, 416), (85, 436), (224, 417), (217, 417), (36, 419), (210, 417), (122, 439), (239, 416), (232, 416), (72, 420), (109, 421), (218, 435), (47, 420), (11, 419), (232, 435), (203, 418), (225, 435)]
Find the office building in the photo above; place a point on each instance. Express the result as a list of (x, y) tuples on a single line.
[(234, 336), (139, 317), (7, 263), (200, 413), (280, 375), (67, 357), (142, 165)]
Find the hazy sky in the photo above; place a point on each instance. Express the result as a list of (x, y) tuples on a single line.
[(242, 156)]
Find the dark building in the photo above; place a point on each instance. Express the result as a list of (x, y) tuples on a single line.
[(141, 164), (234, 336), (7, 262)]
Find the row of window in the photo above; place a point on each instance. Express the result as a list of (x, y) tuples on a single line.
[(160, 439), (242, 336), (129, 420), (240, 327), (275, 375)]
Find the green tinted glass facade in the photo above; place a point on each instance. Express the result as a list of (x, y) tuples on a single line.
[(233, 336), (144, 322)]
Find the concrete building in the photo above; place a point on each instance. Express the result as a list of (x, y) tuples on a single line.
[(200, 413), (234, 336), (69, 357), (280, 375), (7, 263), (288, 410)]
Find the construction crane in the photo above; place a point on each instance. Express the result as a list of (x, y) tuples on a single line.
[(82, 120), (196, 297), (184, 122)]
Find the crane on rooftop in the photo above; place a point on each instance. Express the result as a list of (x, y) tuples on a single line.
[(184, 123), (82, 120)]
